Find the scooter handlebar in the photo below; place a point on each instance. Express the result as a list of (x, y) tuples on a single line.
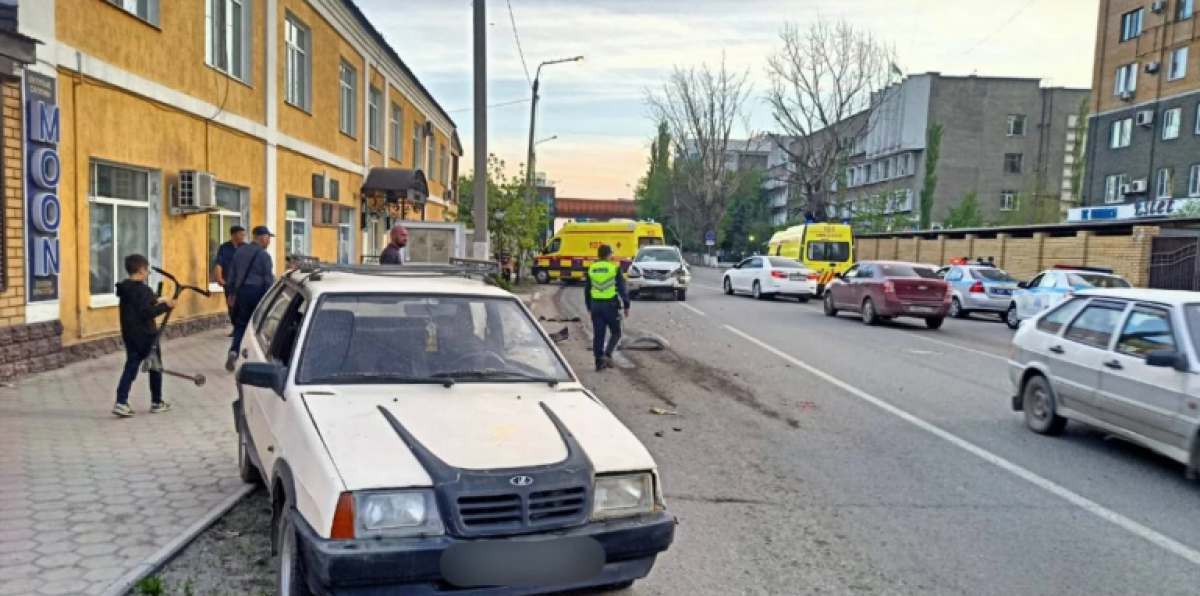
[(179, 288)]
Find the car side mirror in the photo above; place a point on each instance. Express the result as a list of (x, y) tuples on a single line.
[(1023, 285), (264, 375), (738, 266), (1167, 359)]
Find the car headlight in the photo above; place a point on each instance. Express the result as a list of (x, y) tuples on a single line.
[(623, 496), (396, 513), (635, 272)]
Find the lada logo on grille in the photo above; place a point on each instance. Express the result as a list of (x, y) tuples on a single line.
[(922, 287), (520, 480)]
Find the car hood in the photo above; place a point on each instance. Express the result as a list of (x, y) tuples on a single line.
[(470, 426)]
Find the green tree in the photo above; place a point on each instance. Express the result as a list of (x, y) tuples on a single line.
[(747, 223), (967, 214), (1032, 209), (1079, 153), (515, 224), (933, 154), (879, 212)]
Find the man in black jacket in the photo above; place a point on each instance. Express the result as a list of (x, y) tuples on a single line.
[(250, 276), (139, 309)]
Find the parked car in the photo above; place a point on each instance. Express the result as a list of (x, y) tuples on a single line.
[(1123, 361), (768, 277), (883, 290), (978, 288), (1050, 287), (659, 270), (419, 432)]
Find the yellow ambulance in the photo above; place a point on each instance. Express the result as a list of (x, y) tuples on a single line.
[(827, 249), (573, 249)]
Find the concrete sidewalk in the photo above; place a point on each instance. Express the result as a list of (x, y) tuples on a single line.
[(89, 501)]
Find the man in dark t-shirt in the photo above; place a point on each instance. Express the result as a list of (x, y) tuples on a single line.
[(237, 237), (398, 239)]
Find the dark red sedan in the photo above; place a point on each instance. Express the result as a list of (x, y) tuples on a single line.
[(883, 290)]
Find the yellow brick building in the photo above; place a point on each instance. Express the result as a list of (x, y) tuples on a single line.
[(288, 104)]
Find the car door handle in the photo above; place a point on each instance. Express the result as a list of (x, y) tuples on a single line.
[(1057, 349), (1114, 364)]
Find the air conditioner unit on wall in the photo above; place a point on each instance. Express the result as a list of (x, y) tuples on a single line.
[(1145, 118), (1152, 67), (1126, 189), (197, 192), (1137, 187)]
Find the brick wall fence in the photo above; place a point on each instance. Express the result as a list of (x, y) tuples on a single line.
[(1024, 256)]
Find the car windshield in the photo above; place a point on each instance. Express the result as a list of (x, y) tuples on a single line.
[(990, 274), (409, 338), (1192, 313), (782, 263), (1096, 280), (657, 256), (903, 270), (837, 252)]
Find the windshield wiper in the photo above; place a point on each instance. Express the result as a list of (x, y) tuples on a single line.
[(493, 374), (390, 377)]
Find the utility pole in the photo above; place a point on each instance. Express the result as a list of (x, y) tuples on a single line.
[(481, 145), (530, 175)]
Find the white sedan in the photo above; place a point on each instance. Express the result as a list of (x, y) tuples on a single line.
[(768, 277)]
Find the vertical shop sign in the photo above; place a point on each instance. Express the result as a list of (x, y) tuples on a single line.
[(43, 169)]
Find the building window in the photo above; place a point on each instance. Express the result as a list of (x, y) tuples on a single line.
[(146, 10), (1016, 125), (1166, 183), (1131, 24), (118, 223), (1171, 123), (416, 148), (298, 66), (397, 132), (1014, 163), (1179, 59), (430, 156), (1008, 201), (1127, 79), (443, 167), (1194, 182), (296, 225), (1198, 118), (348, 109), (227, 37), (374, 118), (1122, 131), (1112, 188), (1185, 10), (345, 235), (231, 200)]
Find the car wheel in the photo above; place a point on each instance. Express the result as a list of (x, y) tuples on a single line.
[(246, 468), (829, 308), (289, 568), (728, 287), (934, 322), (803, 299), (956, 309), (542, 276), (633, 295), (869, 316), (1010, 317), (1041, 414), (681, 295), (758, 295)]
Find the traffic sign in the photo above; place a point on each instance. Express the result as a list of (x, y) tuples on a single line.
[(710, 238)]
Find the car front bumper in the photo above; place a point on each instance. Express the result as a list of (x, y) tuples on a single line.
[(644, 284), (413, 566)]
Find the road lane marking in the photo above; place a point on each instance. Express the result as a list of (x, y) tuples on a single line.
[(958, 347), (708, 287), (1166, 543), (692, 308)]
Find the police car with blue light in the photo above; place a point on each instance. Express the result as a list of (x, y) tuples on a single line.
[(1052, 286)]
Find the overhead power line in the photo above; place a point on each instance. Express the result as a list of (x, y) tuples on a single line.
[(517, 37), (495, 105), (1001, 27)]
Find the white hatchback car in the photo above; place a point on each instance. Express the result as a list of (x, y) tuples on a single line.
[(767, 277), (1124, 361), (418, 432)]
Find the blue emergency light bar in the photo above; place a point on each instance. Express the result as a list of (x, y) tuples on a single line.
[(1081, 268)]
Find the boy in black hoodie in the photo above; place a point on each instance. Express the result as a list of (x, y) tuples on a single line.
[(139, 308)]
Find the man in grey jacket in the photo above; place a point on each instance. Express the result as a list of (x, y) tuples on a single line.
[(251, 274)]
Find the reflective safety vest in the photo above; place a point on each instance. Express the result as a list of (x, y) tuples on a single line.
[(603, 275)]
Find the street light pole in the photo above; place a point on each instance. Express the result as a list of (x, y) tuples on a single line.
[(481, 149), (531, 159)]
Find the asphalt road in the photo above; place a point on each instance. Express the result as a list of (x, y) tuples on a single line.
[(820, 456)]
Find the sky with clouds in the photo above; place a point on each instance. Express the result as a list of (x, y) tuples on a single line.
[(597, 107)]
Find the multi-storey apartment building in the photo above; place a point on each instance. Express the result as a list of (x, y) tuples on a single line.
[(134, 107), (1144, 128)]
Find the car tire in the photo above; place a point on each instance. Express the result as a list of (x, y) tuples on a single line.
[(289, 566), (246, 467), (934, 322), (828, 306), (757, 291), (803, 299), (1041, 413), (1010, 317), (728, 287), (957, 311), (542, 276), (869, 316), (633, 295), (681, 295)]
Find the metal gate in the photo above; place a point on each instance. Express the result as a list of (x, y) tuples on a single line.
[(1174, 263)]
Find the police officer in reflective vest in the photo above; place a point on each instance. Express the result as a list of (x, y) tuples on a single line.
[(605, 295)]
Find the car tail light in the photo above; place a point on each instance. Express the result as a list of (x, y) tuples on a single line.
[(889, 288), (778, 275), (812, 276), (977, 288), (949, 297), (343, 518)]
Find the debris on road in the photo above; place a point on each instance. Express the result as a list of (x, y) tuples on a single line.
[(560, 319), (807, 405), (643, 341), (662, 412), (658, 434), (561, 335)]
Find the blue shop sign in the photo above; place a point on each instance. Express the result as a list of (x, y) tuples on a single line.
[(43, 170)]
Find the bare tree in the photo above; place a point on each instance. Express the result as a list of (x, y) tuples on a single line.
[(824, 85), (701, 106)]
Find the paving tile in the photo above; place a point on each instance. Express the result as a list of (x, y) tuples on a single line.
[(102, 561), (16, 546), (69, 586), (93, 538), (104, 574), (50, 548), (18, 572), (59, 560), (18, 558), (20, 586)]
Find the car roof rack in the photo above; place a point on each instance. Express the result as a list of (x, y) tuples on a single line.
[(312, 269)]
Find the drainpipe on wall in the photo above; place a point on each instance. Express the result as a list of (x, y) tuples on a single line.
[(81, 249)]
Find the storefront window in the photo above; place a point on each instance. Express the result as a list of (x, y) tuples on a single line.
[(230, 200), (345, 235), (296, 225), (118, 223)]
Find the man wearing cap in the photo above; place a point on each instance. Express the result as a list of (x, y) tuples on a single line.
[(604, 293), (237, 237), (397, 239), (250, 275)]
